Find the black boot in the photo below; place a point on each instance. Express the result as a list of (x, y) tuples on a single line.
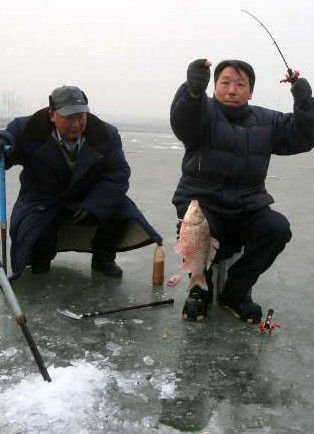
[(41, 260), (44, 250), (241, 304), (196, 305), (104, 262), (41, 267)]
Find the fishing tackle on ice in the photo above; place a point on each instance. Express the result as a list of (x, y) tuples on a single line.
[(268, 324)]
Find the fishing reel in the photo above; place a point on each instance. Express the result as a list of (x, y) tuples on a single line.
[(291, 76)]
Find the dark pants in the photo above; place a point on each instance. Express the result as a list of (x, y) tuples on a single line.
[(263, 234), (104, 244)]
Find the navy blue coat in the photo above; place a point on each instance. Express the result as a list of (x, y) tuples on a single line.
[(98, 184), (226, 159)]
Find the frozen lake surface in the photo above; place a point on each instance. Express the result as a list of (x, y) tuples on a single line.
[(147, 371)]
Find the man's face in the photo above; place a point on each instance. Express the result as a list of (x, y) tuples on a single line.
[(232, 87), (70, 127)]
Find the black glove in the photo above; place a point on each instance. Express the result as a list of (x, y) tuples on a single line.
[(82, 216), (198, 75), (301, 90)]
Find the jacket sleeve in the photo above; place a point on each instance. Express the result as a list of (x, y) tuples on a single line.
[(188, 116), (294, 132), (12, 135)]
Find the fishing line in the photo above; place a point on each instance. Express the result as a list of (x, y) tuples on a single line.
[(292, 74)]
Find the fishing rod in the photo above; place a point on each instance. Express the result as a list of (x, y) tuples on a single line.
[(73, 315), (292, 76), (22, 322)]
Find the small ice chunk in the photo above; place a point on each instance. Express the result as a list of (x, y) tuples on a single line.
[(148, 361), (102, 321), (115, 348), (8, 353), (138, 321)]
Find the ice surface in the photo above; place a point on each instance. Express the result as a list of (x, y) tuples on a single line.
[(78, 398), (70, 398), (221, 376)]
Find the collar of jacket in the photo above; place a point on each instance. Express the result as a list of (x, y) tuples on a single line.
[(39, 127), (234, 113)]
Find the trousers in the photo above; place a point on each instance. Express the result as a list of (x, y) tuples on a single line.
[(262, 235), (103, 244)]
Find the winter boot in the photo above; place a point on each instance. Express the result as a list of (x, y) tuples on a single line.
[(44, 250), (196, 305), (241, 305), (41, 267), (105, 264)]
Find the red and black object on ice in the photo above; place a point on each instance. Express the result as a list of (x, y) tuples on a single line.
[(268, 325)]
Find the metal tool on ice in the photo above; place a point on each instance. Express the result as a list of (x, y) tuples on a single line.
[(73, 315)]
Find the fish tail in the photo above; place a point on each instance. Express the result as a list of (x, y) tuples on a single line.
[(200, 280)]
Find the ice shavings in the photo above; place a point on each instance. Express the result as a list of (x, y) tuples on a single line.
[(164, 383), (70, 398), (82, 399), (8, 353), (137, 383), (132, 383)]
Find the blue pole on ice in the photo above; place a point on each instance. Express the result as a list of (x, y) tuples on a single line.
[(4, 282), (3, 211)]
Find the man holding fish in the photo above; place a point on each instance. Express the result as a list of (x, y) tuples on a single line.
[(228, 146)]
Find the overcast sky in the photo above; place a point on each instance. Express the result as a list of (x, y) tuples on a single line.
[(130, 56)]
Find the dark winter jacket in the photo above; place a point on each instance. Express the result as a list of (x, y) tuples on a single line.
[(98, 183), (227, 151)]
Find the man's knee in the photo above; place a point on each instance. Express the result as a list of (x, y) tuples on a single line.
[(277, 227)]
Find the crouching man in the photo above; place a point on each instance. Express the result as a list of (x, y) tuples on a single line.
[(74, 181), (228, 146)]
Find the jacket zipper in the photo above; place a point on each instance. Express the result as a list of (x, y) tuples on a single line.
[(199, 163)]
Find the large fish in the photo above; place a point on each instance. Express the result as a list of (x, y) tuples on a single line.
[(196, 245)]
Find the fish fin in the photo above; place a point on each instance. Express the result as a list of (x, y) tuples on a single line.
[(177, 246), (174, 280), (199, 280), (214, 245)]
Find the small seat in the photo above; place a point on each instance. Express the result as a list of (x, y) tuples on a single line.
[(221, 265)]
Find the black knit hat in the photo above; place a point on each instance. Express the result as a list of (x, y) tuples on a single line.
[(237, 65)]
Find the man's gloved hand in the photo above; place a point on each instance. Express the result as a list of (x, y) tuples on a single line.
[(301, 90), (82, 216), (198, 75)]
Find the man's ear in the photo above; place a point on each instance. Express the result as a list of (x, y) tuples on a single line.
[(52, 115), (250, 96)]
